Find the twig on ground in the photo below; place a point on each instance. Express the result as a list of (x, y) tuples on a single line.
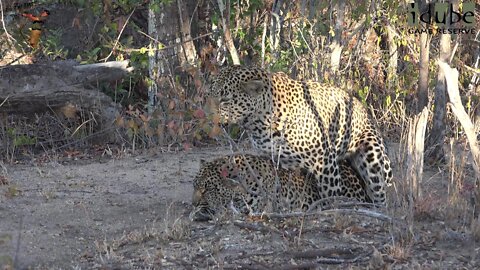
[(327, 256), (336, 252), (5, 100), (247, 266), (340, 255), (19, 240), (362, 212), (343, 202), (255, 227)]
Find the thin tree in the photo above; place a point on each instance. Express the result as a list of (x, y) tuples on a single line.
[(422, 93), (336, 46), (437, 134)]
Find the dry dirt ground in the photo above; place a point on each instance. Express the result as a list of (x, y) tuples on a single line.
[(133, 213)]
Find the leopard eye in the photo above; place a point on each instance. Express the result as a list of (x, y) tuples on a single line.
[(224, 99)]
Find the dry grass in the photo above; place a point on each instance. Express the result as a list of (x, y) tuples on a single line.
[(144, 246), (443, 213)]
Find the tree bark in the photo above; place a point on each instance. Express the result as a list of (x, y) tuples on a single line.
[(422, 92), (188, 48), (437, 134), (393, 51), (336, 46), (416, 139), (275, 28), (153, 63)]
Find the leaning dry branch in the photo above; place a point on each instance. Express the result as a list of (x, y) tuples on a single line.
[(2, 20), (337, 255), (224, 12), (339, 202), (451, 76)]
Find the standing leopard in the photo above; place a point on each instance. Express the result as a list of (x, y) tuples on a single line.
[(251, 184), (306, 125)]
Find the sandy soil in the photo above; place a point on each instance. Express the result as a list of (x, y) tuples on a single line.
[(132, 213), (58, 211)]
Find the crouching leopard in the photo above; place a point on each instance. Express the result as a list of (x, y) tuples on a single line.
[(306, 125), (251, 184)]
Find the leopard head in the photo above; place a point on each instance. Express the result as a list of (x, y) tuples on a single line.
[(214, 189), (240, 92)]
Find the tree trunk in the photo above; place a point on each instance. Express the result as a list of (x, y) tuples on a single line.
[(416, 139), (189, 56), (275, 28), (437, 134), (153, 63), (393, 52), (169, 77), (205, 44), (336, 46), (422, 92), (388, 46)]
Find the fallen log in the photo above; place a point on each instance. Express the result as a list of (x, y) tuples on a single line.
[(40, 87), (61, 87)]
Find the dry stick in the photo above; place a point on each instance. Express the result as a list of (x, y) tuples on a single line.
[(9, 37), (163, 46), (345, 202), (359, 258), (224, 12), (320, 257), (326, 252), (264, 36), (5, 100), (363, 212), (119, 35), (451, 76)]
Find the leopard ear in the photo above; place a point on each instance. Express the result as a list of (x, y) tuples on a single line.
[(253, 87), (202, 162)]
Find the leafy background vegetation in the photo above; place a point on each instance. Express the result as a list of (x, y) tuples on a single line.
[(378, 62)]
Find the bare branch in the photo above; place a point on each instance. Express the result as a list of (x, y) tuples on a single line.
[(119, 35), (362, 212)]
